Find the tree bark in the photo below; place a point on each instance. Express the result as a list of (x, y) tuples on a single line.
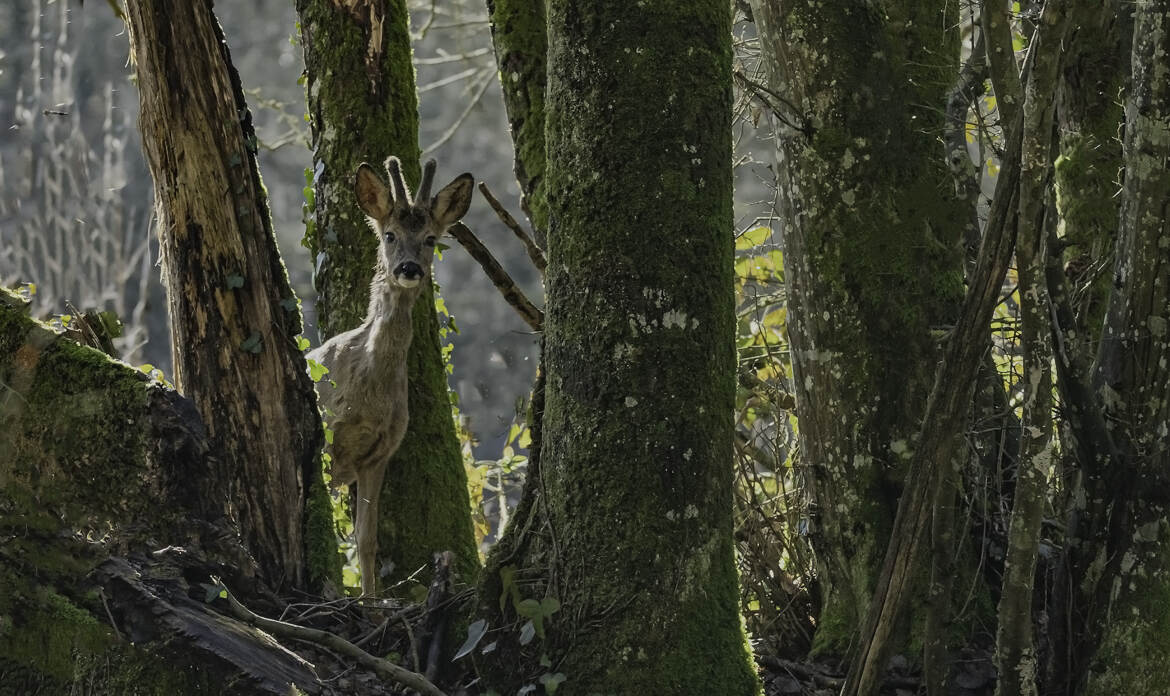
[(872, 254), (100, 468), (1122, 589), (520, 38), (639, 306), (363, 106), (234, 318)]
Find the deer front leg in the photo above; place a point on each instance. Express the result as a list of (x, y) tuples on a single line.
[(369, 490)]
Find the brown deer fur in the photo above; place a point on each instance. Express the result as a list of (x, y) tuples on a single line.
[(365, 404)]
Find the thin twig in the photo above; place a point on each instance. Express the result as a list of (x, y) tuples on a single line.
[(534, 251), (764, 94), (484, 83), (110, 615), (499, 277), (384, 668)]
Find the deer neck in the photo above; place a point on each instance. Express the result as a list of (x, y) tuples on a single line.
[(388, 318)]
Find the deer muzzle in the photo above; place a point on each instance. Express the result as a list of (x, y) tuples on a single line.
[(408, 274)]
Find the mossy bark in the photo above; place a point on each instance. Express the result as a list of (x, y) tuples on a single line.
[(639, 356), (872, 239), (97, 461), (1089, 115), (1124, 588), (363, 106), (520, 38), (234, 317)]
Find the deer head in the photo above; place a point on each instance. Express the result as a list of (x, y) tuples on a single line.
[(407, 227)]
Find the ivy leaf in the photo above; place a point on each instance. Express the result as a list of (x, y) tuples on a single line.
[(550, 682), (529, 607), (253, 344), (316, 370), (211, 591), (549, 606), (507, 586), (527, 633), (234, 281), (302, 343), (475, 633), (289, 304)]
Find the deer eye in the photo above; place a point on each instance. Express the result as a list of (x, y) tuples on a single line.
[(429, 241), (389, 237)]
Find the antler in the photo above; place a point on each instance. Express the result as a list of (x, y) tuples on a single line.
[(423, 195), (394, 168)]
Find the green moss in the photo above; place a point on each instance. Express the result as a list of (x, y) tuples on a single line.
[(640, 305), (1134, 656), (75, 412), (49, 631), (518, 32), (322, 555), (426, 506)]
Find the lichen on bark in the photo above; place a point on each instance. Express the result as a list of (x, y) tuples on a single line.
[(872, 243), (639, 360)]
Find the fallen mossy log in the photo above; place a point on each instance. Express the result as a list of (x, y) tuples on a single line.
[(114, 536)]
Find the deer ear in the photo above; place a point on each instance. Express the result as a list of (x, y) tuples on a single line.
[(373, 195), (452, 202)]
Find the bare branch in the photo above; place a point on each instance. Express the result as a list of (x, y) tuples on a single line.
[(534, 252), (385, 668), (499, 277)]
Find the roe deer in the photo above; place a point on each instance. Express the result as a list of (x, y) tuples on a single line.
[(366, 408)]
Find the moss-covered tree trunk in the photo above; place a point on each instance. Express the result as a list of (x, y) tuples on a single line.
[(872, 239), (1123, 590), (234, 318), (520, 38), (363, 106), (639, 362)]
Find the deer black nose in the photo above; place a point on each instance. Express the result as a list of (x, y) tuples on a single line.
[(409, 270)]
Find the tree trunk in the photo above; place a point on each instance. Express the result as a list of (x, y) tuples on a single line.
[(363, 106), (872, 236), (520, 38), (1124, 590), (234, 318), (639, 310)]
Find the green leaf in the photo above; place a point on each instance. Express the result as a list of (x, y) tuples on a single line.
[(302, 343), (289, 304), (213, 590), (550, 682), (475, 633), (234, 281), (549, 606), (753, 238), (529, 607), (316, 370), (508, 586), (111, 323), (527, 633), (253, 344)]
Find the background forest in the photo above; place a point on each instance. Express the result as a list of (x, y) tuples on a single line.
[(935, 462)]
